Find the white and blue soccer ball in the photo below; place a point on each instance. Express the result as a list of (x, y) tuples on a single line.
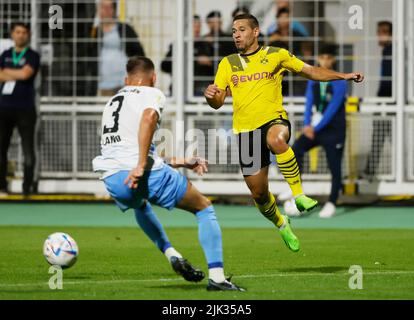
[(290, 208), (60, 249)]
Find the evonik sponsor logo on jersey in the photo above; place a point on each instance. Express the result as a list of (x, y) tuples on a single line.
[(252, 77)]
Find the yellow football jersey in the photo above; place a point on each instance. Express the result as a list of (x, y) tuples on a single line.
[(255, 81)]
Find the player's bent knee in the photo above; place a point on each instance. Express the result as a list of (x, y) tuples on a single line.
[(278, 145), (194, 201), (201, 204), (205, 203)]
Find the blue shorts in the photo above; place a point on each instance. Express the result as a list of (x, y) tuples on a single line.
[(165, 188)]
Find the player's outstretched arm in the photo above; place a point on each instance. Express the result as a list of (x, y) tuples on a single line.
[(146, 131), (214, 96), (322, 74), (197, 164)]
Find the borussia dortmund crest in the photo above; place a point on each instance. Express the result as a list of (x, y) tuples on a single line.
[(264, 60)]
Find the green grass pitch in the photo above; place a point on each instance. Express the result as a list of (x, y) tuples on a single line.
[(121, 263)]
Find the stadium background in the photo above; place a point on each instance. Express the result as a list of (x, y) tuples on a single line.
[(69, 126), (68, 138)]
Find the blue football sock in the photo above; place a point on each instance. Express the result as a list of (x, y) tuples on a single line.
[(209, 235), (152, 227)]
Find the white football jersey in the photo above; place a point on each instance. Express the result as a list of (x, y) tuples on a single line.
[(120, 125)]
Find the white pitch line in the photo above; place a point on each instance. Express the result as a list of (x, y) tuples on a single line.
[(245, 276)]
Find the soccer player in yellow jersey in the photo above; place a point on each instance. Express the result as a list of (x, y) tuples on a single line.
[(254, 77)]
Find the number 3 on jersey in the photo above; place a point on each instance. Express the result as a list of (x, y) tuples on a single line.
[(116, 103)]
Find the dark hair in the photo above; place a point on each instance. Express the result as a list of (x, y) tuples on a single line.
[(196, 17), (252, 19), (385, 23), (20, 24), (243, 9), (328, 48), (282, 11), (214, 14), (139, 64)]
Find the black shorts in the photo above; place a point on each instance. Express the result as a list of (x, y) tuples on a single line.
[(254, 153)]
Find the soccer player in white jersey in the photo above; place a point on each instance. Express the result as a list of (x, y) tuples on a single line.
[(136, 177)]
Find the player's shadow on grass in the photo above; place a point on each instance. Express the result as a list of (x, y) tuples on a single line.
[(328, 269), (348, 211), (341, 212), (354, 209)]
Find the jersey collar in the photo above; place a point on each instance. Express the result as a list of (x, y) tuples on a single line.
[(251, 53)]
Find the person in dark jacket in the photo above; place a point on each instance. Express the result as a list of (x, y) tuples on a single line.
[(384, 33), (221, 43), (381, 128), (114, 43), (18, 68), (292, 40), (324, 125), (285, 34), (202, 57)]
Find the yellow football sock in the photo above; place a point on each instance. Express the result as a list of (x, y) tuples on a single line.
[(290, 170), (271, 211)]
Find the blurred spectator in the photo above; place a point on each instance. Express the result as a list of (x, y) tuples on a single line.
[(18, 68), (115, 43), (240, 10), (222, 44), (384, 33), (271, 26), (324, 125), (284, 37), (287, 38), (203, 64), (381, 128)]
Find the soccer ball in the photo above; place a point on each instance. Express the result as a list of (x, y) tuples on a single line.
[(61, 250), (290, 208)]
